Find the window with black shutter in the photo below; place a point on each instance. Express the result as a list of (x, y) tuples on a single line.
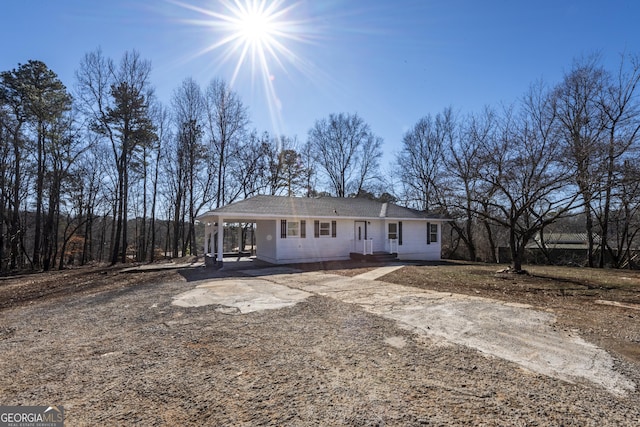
[(433, 233)]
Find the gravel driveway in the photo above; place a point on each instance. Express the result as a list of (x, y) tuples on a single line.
[(336, 357)]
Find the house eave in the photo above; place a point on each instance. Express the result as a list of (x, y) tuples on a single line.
[(257, 216)]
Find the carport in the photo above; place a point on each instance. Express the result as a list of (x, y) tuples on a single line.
[(215, 226)]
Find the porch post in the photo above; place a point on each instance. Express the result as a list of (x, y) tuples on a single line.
[(220, 241), (211, 237)]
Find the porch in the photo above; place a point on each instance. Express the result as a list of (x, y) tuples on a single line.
[(363, 250)]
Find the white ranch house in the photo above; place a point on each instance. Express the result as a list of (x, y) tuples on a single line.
[(296, 229)]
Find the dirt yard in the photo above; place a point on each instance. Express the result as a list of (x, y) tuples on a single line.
[(113, 350)]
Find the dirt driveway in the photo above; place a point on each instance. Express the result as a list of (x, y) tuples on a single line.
[(346, 352)]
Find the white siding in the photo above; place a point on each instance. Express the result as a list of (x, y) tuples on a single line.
[(267, 235), (271, 247), (378, 232), (313, 249), (414, 242)]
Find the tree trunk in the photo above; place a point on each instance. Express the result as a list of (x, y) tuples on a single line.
[(604, 222), (516, 252), (142, 240), (590, 240), (125, 208), (176, 227), (40, 169), (14, 232), (4, 195), (153, 208)]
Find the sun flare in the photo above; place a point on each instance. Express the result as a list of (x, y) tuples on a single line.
[(255, 27), (253, 32), (259, 38)]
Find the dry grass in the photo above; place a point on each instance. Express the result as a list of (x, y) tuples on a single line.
[(473, 278), (574, 295)]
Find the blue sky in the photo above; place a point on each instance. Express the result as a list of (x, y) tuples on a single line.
[(392, 62)]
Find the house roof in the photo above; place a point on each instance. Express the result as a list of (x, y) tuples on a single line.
[(308, 207), (563, 241)]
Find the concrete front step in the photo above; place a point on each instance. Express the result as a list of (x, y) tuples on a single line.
[(375, 257)]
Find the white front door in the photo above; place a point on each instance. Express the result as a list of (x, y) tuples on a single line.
[(360, 231), (360, 236)]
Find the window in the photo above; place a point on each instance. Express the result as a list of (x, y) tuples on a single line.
[(432, 233), (393, 230), (293, 228), (324, 229)]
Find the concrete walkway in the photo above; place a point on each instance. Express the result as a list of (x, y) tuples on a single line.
[(513, 332), (377, 273)]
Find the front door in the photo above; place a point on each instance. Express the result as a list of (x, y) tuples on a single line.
[(360, 237), (360, 231)]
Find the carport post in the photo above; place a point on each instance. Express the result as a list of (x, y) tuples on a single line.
[(211, 244), (220, 241)]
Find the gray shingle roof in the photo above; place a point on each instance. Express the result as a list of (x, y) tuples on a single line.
[(334, 207)]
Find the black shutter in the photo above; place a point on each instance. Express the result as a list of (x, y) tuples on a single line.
[(334, 232), (303, 228), (400, 233), (283, 229), (428, 233), (316, 228)]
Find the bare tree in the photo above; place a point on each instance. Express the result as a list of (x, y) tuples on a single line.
[(420, 162), (582, 126), (65, 147), (284, 169), (249, 163), (187, 103), (163, 133), (226, 125), (309, 169), (624, 219), (345, 149), (462, 194), (5, 173), (521, 167), (621, 109), (89, 170), (117, 99)]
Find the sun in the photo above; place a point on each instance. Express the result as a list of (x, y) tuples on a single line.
[(256, 27), (258, 38), (256, 33)]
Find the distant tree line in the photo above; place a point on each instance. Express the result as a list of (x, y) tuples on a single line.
[(107, 173)]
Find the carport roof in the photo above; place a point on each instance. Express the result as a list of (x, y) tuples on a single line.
[(309, 207)]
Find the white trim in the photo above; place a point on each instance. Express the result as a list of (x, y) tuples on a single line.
[(243, 216)]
